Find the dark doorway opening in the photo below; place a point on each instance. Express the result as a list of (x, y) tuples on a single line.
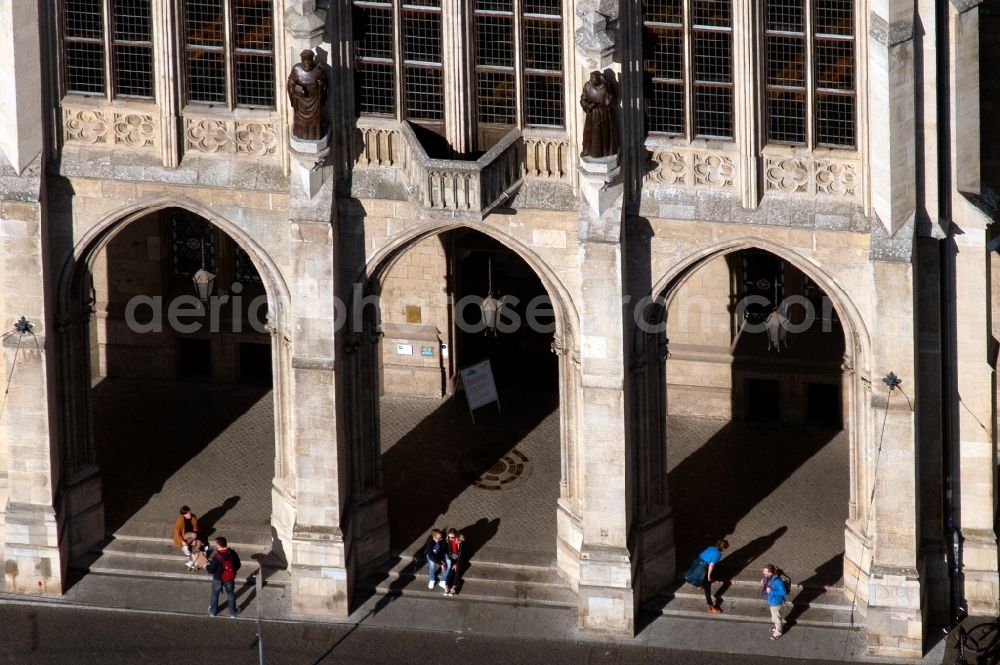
[(194, 358), (823, 405), (520, 352), (255, 364), (762, 400)]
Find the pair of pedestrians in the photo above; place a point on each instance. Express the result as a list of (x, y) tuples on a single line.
[(222, 565), (774, 586), (444, 560)]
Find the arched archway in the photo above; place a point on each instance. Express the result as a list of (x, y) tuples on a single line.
[(136, 255), (848, 361), (368, 342)]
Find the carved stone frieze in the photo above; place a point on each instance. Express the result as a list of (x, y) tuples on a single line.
[(713, 169), (205, 135), (836, 178), (788, 174), (84, 126), (669, 168), (546, 157), (110, 126), (231, 136), (136, 130), (378, 146), (255, 138)]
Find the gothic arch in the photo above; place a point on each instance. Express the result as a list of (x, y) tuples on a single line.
[(73, 313)]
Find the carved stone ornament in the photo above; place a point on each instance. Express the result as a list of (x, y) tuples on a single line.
[(134, 129), (84, 126), (788, 175), (255, 138), (206, 134), (837, 178), (669, 168), (714, 170)]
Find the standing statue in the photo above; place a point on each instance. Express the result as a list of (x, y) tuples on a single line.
[(306, 88), (600, 133)]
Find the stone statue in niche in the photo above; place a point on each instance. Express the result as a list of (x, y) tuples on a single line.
[(600, 133), (306, 88)]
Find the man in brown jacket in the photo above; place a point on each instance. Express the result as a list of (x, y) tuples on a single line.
[(186, 534)]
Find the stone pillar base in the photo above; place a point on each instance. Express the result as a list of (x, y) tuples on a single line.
[(568, 544), (895, 618), (320, 585), (857, 554), (84, 511), (607, 604), (656, 555), (979, 571), (33, 563), (369, 547)]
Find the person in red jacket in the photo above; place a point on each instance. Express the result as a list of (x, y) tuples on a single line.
[(453, 561)]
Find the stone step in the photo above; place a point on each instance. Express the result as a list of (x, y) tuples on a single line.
[(742, 602), (495, 556), (481, 581), (160, 558), (237, 535)]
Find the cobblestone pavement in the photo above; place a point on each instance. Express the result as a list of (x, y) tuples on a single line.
[(778, 494), (161, 444)]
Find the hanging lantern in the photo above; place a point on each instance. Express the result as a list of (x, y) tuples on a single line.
[(204, 281), (491, 306), (777, 333)]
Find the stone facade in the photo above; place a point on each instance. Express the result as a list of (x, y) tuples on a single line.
[(896, 233)]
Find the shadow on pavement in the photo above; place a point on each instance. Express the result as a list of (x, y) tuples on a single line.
[(146, 430), (720, 483)]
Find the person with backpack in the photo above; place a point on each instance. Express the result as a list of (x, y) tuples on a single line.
[(774, 588), (699, 573), (223, 566)]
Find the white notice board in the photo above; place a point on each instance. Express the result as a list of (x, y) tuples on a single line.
[(480, 389)]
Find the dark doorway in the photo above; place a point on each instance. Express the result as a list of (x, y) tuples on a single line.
[(520, 355), (255, 363), (823, 405), (194, 358), (762, 400)]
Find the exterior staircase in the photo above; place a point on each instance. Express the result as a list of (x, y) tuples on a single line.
[(493, 575), (740, 600), (145, 552)]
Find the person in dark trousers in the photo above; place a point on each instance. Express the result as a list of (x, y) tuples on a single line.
[(223, 566), (453, 561), (774, 590), (434, 551), (699, 573)]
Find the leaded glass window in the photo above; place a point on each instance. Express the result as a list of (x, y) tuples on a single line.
[(688, 66), (193, 241), (228, 55), (112, 63), (810, 69)]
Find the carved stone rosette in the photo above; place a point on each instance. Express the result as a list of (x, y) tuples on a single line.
[(789, 175), (230, 136), (674, 166), (803, 174), (110, 127)]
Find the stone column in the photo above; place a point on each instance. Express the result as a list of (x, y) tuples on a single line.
[(318, 556), (34, 557), (976, 472), (894, 596)]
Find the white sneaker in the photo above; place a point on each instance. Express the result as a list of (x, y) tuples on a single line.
[(430, 585), (187, 550), (442, 585)]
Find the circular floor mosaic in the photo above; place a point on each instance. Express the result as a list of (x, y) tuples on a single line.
[(502, 474)]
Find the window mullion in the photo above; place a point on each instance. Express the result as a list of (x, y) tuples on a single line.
[(227, 54), (810, 74), (687, 71), (397, 28), (109, 60), (517, 20)]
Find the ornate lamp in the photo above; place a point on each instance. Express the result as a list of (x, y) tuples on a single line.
[(204, 281), (491, 306)]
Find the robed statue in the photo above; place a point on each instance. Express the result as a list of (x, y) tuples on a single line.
[(600, 133), (306, 88)]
